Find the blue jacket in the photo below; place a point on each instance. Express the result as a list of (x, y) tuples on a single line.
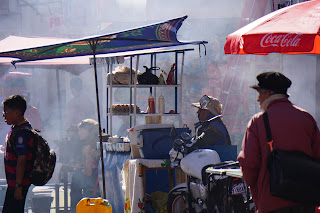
[(212, 133)]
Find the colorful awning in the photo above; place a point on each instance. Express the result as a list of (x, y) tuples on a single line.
[(162, 34)]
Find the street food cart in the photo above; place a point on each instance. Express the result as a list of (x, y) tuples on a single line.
[(131, 166)]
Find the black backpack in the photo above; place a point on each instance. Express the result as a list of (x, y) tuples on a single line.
[(44, 159)]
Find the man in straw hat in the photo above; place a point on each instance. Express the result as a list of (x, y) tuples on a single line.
[(211, 129)]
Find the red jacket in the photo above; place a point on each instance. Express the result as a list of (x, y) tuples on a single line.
[(292, 128)]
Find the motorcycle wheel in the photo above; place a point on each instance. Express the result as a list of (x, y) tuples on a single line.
[(177, 202)]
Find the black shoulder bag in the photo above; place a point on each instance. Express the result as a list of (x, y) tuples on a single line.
[(294, 175)]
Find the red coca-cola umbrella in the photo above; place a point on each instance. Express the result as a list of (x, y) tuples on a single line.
[(291, 30)]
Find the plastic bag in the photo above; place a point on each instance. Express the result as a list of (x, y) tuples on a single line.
[(147, 77), (159, 201), (121, 75), (170, 78), (161, 78)]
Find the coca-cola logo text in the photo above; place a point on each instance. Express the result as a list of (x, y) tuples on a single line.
[(274, 40)]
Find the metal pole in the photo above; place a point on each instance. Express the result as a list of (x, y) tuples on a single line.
[(93, 45), (57, 196), (135, 92), (176, 83), (107, 99), (65, 193), (130, 101), (180, 88), (111, 99), (59, 100)]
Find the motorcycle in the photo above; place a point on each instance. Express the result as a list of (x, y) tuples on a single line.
[(227, 191), (200, 194)]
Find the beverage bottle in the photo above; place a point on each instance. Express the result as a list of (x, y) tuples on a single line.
[(151, 105), (161, 104)]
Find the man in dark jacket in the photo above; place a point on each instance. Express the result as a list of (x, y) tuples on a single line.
[(211, 129), (292, 129)]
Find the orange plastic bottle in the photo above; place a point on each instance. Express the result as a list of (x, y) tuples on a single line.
[(151, 105)]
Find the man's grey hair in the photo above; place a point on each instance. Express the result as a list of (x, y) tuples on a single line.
[(263, 91)]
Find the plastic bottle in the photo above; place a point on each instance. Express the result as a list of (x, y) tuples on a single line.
[(151, 105), (161, 104)]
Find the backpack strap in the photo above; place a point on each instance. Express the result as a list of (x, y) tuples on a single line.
[(268, 130), (13, 135)]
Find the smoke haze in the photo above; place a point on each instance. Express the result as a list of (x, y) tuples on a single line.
[(213, 74)]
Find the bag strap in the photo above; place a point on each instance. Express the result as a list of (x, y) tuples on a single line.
[(268, 130), (13, 135)]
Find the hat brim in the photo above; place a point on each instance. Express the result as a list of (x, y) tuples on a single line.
[(196, 105), (256, 87), (199, 107)]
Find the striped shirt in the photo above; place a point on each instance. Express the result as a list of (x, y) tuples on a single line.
[(23, 143)]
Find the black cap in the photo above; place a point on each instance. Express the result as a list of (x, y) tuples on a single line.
[(275, 81)]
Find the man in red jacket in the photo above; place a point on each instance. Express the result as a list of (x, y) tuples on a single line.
[(292, 129)]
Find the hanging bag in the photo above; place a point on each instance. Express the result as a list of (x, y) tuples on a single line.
[(294, 175), (171, 77), (147, 77)]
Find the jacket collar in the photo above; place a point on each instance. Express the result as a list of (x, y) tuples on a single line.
[(278, 101), (265, 104)]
